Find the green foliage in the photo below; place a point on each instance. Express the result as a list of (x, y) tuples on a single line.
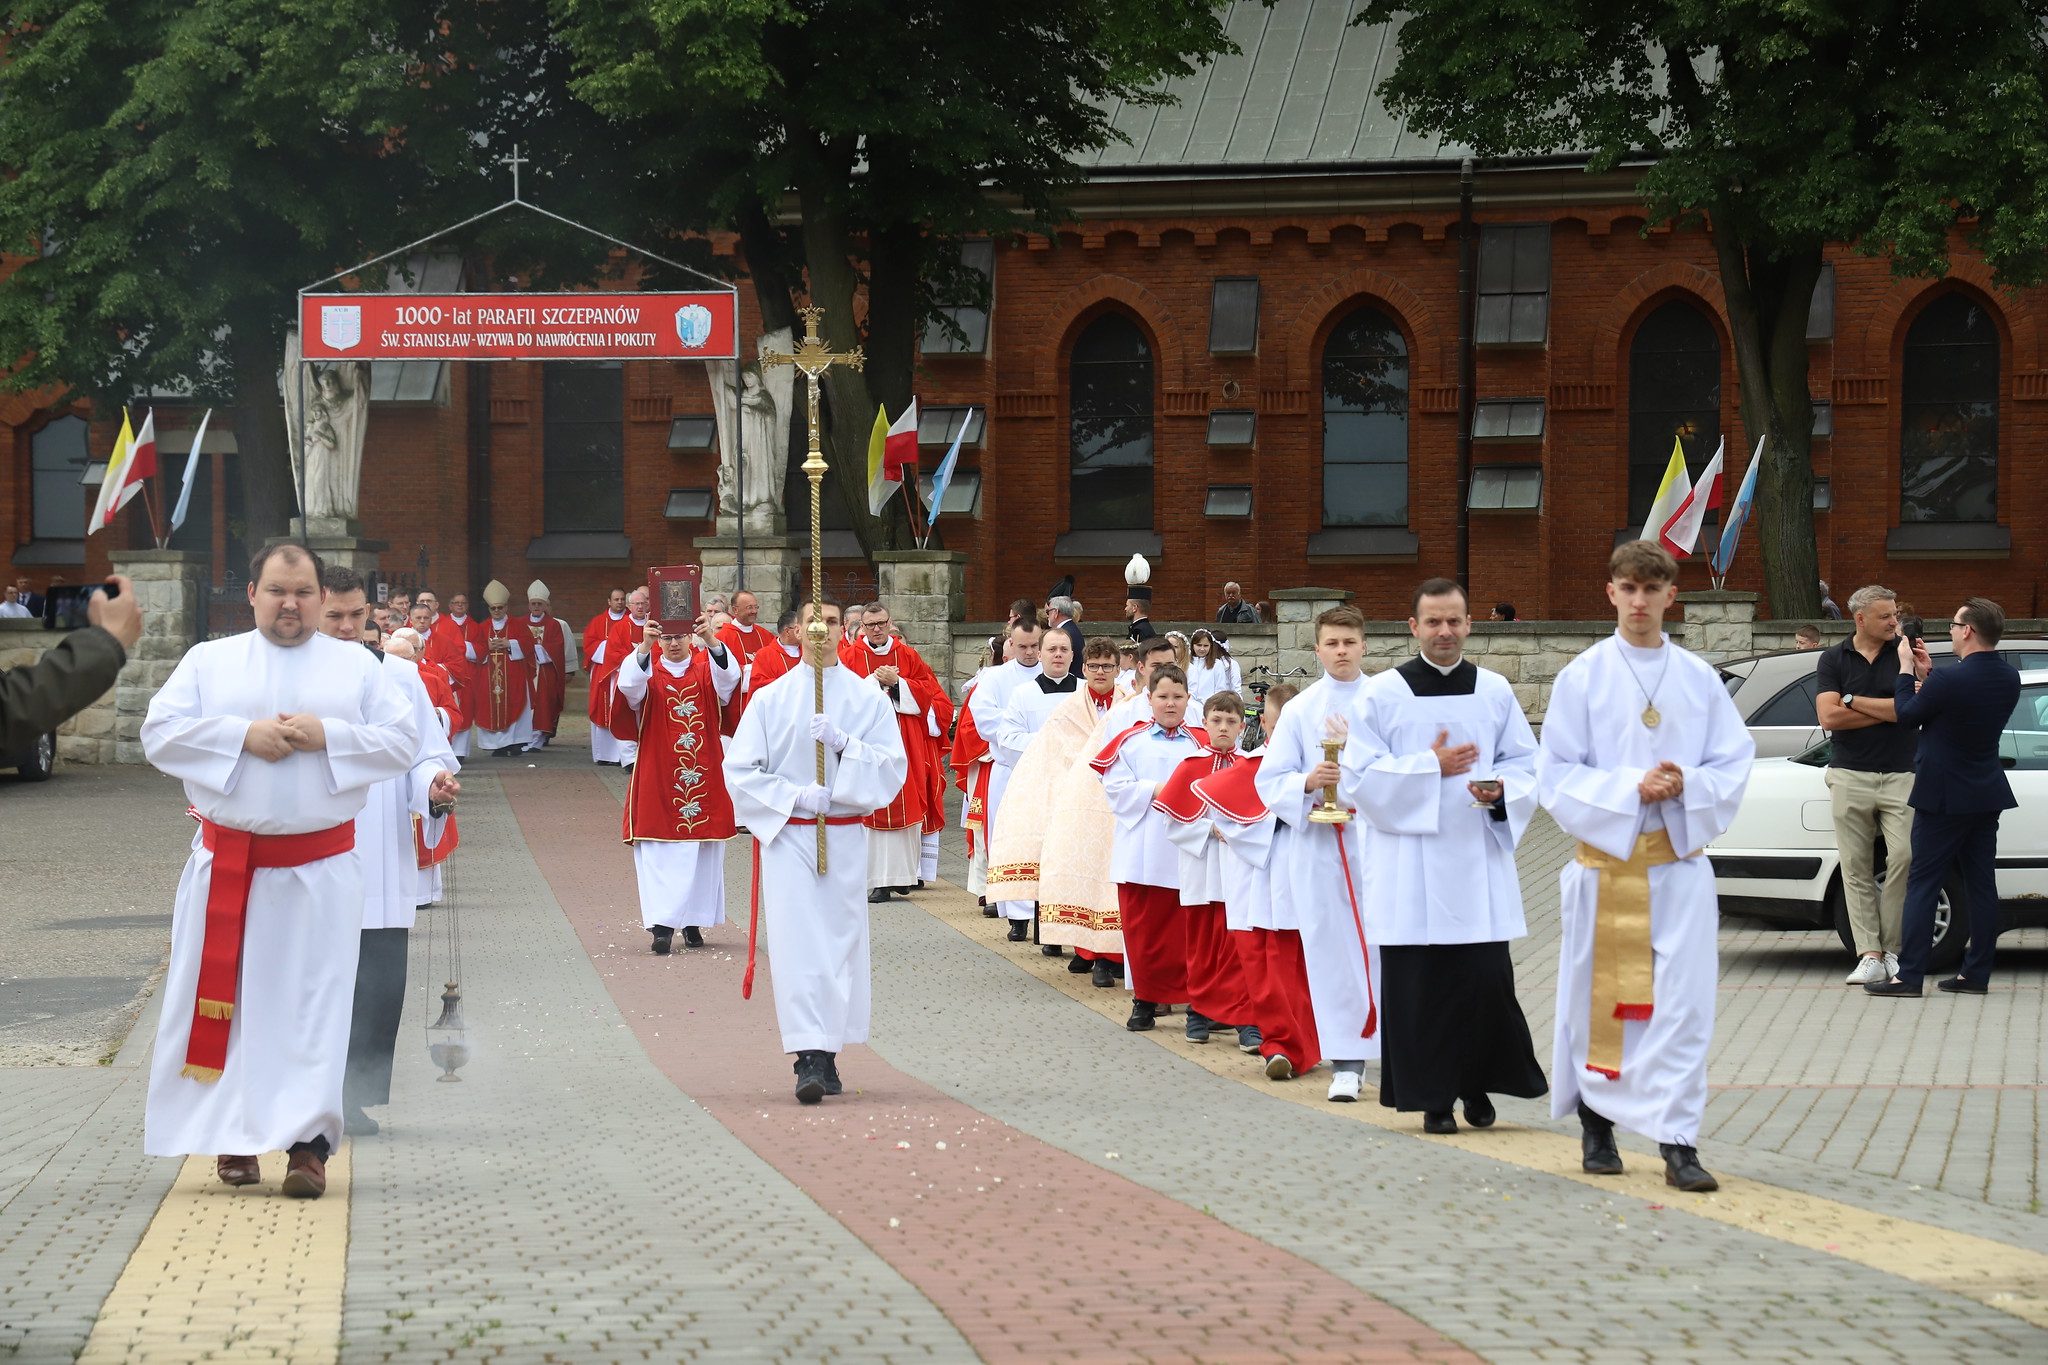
[(1879, 123)]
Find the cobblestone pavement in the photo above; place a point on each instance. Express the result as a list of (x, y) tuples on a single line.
[(621, 1174)]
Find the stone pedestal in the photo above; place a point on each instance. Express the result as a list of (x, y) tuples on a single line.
[(770, 573), (339, 541), (171, 586), (925, 591), (1719, 624), (1298, 609)]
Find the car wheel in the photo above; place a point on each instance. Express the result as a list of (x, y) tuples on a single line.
[(1950, 933), (41, 759), (1838, 913)]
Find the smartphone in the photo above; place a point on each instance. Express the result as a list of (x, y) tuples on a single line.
[(65, 607), (1914, 629)]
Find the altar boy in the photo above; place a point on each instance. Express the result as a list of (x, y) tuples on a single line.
[(1217, 991), (1643, 761)]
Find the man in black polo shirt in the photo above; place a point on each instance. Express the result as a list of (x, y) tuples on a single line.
[(1870, 776)]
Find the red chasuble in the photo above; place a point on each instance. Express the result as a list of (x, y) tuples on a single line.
[(678, 788), (446, 647), (550, 680), (745, 644), (508, 682), (619, 638), (913, 800)]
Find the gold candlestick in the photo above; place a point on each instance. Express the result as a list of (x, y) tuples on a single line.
[(1330, 813), (812, 359)]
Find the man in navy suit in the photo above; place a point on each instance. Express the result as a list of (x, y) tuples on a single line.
[(1958, 791)]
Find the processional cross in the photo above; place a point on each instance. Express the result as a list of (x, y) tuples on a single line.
[(812, 360)]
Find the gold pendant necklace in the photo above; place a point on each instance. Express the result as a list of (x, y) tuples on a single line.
[(1651, 716)]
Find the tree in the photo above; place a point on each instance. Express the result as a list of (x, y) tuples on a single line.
[(1785, 127), (181, 167), (893, 128)]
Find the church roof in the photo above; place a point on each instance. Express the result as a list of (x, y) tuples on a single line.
[(1301, 91)]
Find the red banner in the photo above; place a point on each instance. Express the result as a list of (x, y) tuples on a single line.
[(592, 326)]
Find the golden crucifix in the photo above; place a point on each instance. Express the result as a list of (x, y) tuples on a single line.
[(812, 360)]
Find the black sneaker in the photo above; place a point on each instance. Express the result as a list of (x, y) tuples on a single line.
[(664, 937), (1682, 1168), (1249, 1039), (832, 1085), (811, 1076), (1198, 1025), (1141, 1020), (1101, 975), (693, 936)]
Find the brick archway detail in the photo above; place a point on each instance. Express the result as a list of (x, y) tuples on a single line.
[(1427, 359), (1049, 347), (1882, 335), (1672, 278)]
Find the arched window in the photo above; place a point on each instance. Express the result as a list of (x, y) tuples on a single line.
[(1111, 437), (1674, 390), (1948, 442), (56, 501), (1365, 423)]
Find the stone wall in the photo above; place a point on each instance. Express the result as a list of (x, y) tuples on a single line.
[(87, 737), (1251, 646), (169, 585)]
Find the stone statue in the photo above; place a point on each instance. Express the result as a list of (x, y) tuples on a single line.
[(753, 428), (326, 425)]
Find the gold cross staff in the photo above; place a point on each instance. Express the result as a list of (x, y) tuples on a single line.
[(812, 360)]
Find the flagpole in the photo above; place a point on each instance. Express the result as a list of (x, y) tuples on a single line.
[(910, 504)]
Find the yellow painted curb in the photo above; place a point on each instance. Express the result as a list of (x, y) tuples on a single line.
[(1997, 1274), (229, 1275)]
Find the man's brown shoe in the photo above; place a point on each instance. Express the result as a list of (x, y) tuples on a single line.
[(238, 1170), (306, 1176)]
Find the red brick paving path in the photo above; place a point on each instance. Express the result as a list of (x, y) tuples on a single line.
[(1128, 1275)]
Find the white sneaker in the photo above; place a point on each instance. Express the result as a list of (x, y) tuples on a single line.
[(1870, 971), (1344, 1088), (1891, 966)]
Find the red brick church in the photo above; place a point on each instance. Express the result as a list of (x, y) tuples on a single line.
[(1242, 359)]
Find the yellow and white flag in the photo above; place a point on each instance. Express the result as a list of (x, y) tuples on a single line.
[(1671, 494)]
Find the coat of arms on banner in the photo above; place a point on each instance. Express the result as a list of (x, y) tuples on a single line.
[(341, 324), (693, 325)]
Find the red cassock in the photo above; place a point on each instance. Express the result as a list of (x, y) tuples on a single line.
[(970, 774), (913, 802), (619, 638), (550, 680), (508, 682), (769, 664), (441, 692), (745, 643), (678, 788), (935, 781), (447, 645)]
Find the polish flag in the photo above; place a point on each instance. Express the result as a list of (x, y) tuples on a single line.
[(133, 460), (1682, 531)]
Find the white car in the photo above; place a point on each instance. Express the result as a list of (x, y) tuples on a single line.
[(1777, 861)]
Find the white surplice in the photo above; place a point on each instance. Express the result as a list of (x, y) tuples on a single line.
[(384, 832), (1442, 870), (682, 882), (288, 1039), (992, 691), (817, 924), (1309, 886), (1595, 749), (1030, 707)]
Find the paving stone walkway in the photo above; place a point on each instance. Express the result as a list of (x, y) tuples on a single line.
[(621, 1174)]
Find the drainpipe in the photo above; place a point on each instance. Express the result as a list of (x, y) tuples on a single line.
[(1467, 252), (479, 472)]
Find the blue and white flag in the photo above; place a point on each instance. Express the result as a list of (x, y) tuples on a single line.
[(1738, 513), (191, 468), (944, 474)]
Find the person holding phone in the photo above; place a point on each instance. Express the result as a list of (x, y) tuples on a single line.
[(36, 699), (1442, 771)]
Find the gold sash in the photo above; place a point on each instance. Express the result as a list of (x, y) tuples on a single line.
[(1623, 963)]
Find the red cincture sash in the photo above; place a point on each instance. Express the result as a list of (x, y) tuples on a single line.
[(236, 855), (754, 896)]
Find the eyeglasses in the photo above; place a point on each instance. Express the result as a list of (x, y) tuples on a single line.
[(1959, 625)]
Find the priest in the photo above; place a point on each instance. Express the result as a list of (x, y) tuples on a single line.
[(1031, 704), (1319, 867), (1643, 761), (817, 917), (1441, 768), (678, 814), (990, 698), (448, 647), (385, 843), (442, 684), (896, 831), (550, 663), (1070, 732), (505, 720), (611, 635), (278, 735), (745, 636)]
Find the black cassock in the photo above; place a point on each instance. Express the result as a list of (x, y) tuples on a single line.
[(1451, 1025)]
